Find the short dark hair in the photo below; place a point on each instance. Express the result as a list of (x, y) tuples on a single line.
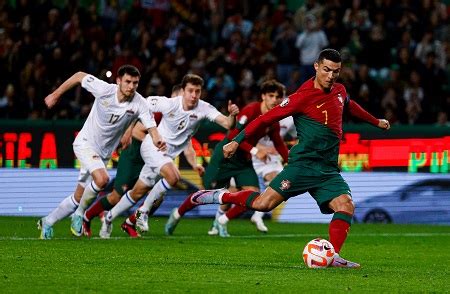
[(176, 88), (129, 70), (329, 54), (192, 79), (271, 86)]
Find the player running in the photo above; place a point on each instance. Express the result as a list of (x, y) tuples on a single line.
[(129, 168), (180, 119), (115, 107)]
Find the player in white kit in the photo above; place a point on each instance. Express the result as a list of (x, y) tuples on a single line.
[(273, 165), (180, 119), (269, 169), (115, 107)]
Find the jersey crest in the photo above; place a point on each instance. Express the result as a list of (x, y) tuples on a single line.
[(285, 185), (105, 103), (339, 96)]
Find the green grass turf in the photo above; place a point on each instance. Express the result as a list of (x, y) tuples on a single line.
[(394, 258)]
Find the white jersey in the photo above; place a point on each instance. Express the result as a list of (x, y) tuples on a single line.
[(108, 118), (286, 127), (273, 163), (177, 125)]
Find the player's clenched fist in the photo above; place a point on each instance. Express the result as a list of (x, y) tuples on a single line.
[(160, 144), (200, 170), (51, 100), (229, 149), (233, 109), (384, 124)]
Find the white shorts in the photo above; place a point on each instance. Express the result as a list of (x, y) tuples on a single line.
[(154, 160), (89, 161), (273, 164)]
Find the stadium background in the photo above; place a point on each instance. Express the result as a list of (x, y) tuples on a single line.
[(396, 66)]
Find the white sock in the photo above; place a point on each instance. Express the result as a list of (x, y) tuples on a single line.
[(125, 203), (158, 191), (219, 212), (90, 193), (176, 214), (258, 214), (64, 209), (223, 219)]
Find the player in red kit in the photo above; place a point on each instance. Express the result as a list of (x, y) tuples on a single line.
[(317, 108)]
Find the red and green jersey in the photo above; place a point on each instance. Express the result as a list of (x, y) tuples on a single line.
[(248, 114), (318, 121)]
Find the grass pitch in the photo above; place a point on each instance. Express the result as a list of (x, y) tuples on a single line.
[(394, 258)]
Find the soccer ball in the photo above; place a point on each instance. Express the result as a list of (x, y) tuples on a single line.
[(318, 253)]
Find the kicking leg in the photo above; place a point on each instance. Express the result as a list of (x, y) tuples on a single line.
[(266, 201)]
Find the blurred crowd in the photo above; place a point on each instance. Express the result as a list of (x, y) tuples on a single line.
[(395, 53)]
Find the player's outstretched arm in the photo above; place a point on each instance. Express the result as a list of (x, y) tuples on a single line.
[(54, 97), (233, 111), (228, 122), (357, 111)]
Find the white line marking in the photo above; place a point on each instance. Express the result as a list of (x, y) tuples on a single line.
[(268, 236)]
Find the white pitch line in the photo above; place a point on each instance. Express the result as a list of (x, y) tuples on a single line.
[(268, 236)]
